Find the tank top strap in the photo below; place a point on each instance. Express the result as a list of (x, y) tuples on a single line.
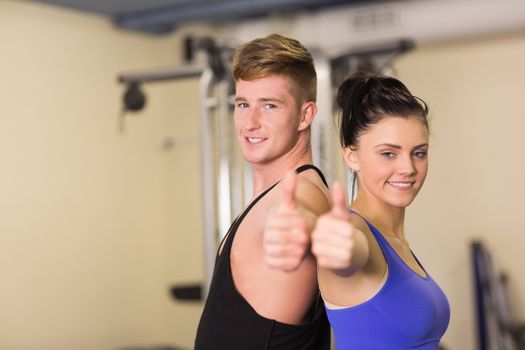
[(227, 241), (311, 166), (390, 254)]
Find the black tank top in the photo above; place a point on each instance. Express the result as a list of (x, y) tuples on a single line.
[(228, 321)]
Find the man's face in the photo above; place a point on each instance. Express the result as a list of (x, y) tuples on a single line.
[(267, 118)]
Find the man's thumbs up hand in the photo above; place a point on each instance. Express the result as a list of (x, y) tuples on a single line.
[(286, 235)]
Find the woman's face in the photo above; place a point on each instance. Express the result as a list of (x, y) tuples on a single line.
[(391, 160)]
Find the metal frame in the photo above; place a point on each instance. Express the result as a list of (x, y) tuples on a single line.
[(215, 87), (322, 126), (209, 221)]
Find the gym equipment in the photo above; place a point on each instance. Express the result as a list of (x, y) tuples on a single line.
[(495, 327)]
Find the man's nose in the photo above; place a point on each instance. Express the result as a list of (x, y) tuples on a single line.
[(252, 119)]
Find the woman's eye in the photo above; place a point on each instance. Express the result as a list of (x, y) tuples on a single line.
[(387, 154), (420, 154)]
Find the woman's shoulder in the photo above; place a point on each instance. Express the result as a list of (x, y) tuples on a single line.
[(359, 222)]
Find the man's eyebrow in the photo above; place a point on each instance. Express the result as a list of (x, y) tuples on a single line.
[(271, 99), (261, 99)]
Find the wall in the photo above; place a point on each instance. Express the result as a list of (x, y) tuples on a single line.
[(475, 92), (94, 224)]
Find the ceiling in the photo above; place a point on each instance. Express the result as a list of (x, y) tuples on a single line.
[(163, 16)]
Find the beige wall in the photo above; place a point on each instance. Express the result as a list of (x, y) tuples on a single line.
[(475, 89), (94, 225)]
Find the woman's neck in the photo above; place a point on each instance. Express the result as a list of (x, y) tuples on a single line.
[(388, 219)]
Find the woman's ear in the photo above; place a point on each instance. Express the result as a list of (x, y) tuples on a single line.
[(351, 159), (308, 112)]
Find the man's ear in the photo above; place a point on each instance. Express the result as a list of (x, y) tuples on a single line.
[(308, 112), (351, 159)]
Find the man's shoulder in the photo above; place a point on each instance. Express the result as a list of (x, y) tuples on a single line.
[(312, 192)]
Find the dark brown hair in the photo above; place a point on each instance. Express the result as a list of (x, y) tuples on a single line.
[(366, 98)]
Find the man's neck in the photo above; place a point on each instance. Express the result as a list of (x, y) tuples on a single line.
[(265, 175)]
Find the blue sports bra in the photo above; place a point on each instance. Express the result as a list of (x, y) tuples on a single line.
[(408, 312)]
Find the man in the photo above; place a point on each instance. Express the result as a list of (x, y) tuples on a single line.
[(264, 292)]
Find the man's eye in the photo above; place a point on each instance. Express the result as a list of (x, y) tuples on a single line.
[(242, 105), (270, 106)]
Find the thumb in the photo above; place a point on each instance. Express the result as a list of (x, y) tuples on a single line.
[(339, 207), (288, 186)]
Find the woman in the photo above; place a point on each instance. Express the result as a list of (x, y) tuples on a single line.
[(377, 294)]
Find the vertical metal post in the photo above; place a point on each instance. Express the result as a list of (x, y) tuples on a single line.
[(322, 127), (224, 188), (209, 220), (236, 160)]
